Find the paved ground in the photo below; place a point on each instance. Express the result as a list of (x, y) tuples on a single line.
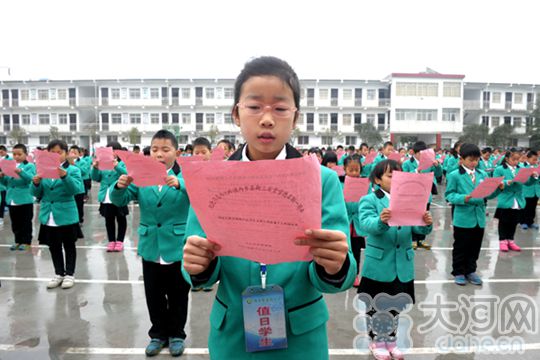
[(104, 316)]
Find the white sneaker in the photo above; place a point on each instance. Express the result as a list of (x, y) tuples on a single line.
[(55, 282), (68, 282)]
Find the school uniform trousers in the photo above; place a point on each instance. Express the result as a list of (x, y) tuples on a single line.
[(529, 213), (21, 222)]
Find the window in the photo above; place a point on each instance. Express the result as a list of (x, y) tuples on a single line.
[(231, 138), (495, 121), (209, 93), (485, 120), (62, 119), (323, 94), (518, 98), (186, 93), (303, 140), (310, 121), (68, 139), (52, 94), (417, 89), (210, 118), (219, 93), (116, 118), (175, 118), (517, 122), (62, 94), (418, 114), (347, 94), (371, 94), (3, 140), (115, 93), (44, 119), (25, 119), (135, 118), (44, 139), (186, 119), (496, 99), (183, 139), (323, 119), (327, 140), (43, 94), (347, 119), (154, 118), (426, 115), (370, 119), (350, 140), (154, 93), (452, 89), (228, 93), (507, 120), (24, 94), (134, 93), (227, 118), (450, 114)]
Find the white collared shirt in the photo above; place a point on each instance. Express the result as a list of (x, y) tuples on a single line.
[(516, 204), (385, 193), (281, 156), (471, 173)]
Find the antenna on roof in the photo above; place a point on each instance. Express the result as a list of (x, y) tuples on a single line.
[(430, 71)]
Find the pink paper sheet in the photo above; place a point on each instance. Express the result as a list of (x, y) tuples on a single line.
[(182, 160), (486, 187), (395, 156), (105, 157), (355, 188), (47, 164), (30, 158), (123, 155), (369, 158), (255, 210), (339, 170), (218, 154), (524, 174), (8, 168), (427, 158), (145, 170), (409, 197)]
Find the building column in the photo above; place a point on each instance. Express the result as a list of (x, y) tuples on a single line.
[(438, 140), (392, 137)]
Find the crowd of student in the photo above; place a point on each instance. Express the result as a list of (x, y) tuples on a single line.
[(177, 257)]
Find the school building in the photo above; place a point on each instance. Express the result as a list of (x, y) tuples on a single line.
[(403, 107)]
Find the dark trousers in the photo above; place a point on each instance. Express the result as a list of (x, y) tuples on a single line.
[(167, 299), (529, 213), (466, 249), (508, 220), (87, 185), (357, 243), (57, 255), (21, 222), (2, 203), (420, 237), (110, 224), (79, 199)]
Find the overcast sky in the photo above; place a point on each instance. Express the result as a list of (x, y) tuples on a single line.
[(492, 41)]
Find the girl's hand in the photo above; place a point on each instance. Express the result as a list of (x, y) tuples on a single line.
[(386, 215), (509, 182), (198, 254), (501, 186), (467, 198), (124, 181), (173, 182), (95, 164), (427, 218), (62, 172), (17, 171), (328, 247), (36, 180)]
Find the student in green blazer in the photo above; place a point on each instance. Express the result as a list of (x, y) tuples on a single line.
[(389, 257), (113, 214), (451, 162), (511, 200), (411, 166), (19, 200), (74, 159), (3, 155), (267, 92), (469, 218), (58, 216), (86, 160), (484, 163), (387, 149), (531, 194), (164, 212)]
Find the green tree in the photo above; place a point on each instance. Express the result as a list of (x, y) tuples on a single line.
[(475, 134), (294, 136), (369, 134), (212, 134), (18, 135), (134, 136), (501, 136), (54, 133)]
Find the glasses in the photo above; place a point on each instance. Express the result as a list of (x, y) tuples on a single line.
[(257, 109)]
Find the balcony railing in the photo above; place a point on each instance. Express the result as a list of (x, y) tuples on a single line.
[(473, 105), (384, 102)]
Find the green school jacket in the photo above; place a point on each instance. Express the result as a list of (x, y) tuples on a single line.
[(107, 177), (452, 163), (513, 191), (57, 196), (18, 189), (486, 166), (389, 253), (530, 191), (163, 217), (366, 169), (459, 185), (411, 165), (302, 283), (84, 166)]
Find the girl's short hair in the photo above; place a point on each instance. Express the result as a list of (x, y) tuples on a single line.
[(57, 142), (352, 158), (115, 145), (268, 66), (385, 165), (329, 156), (467, 150)]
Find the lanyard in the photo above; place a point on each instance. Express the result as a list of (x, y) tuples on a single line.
[(263, 276)]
